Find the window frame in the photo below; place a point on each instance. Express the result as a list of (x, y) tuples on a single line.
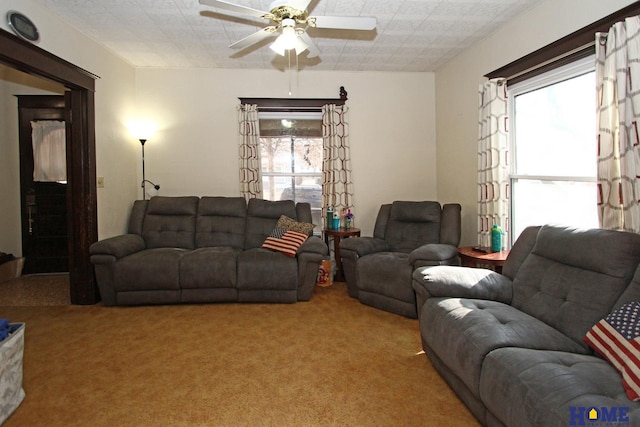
[(573, 47), (566, 72)]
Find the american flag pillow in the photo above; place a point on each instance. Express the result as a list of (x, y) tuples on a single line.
[(285, 241), (617, 339)]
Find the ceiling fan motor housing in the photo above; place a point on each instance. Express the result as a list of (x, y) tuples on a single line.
[(281, 9)]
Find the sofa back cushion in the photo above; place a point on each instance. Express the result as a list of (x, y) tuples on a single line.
[(413, 224), (136, 218), (571, 279), (262, 216), (170, 222), (221, 222), (520, 251)]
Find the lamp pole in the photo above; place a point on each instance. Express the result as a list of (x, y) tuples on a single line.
[(144, 193)]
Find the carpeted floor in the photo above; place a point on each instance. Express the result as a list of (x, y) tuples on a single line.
[(328, 362), (35, 290)]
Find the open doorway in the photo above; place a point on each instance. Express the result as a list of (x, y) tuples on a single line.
[(43, 183), (81, 201)]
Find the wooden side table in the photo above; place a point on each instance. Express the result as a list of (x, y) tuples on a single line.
[(470, 257), (337, 235)]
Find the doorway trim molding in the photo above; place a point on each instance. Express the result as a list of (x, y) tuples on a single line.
[(81, 154)]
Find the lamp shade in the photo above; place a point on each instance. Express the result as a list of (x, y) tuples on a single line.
[(288, 40)]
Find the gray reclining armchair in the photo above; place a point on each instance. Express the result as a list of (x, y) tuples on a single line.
[(407, 235)]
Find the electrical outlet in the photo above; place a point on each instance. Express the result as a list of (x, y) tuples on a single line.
[(100, 182)]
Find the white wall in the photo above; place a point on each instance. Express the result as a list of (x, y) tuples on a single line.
[(114, 105), (457, 91), (195, 149)]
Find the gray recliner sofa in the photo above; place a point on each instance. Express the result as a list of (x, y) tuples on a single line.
[(407, 235), (511, 345), (200, 250)]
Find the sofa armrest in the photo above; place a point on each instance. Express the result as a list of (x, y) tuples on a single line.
[(353, 248), (434, 254), (314, 244), (309, 255), (361, 246), (461, 282), (118, 246)]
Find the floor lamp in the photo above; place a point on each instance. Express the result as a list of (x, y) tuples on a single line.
[(144, 179)]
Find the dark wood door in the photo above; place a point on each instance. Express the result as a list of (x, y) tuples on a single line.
[(44, 202)]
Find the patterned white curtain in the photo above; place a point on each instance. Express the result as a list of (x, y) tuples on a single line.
[(250, 168), (49, 151), (337, 188), (618, 77), (493, 161)]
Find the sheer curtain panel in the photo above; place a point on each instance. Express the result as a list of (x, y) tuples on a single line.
[(493, 161), (49, 151), (337, 188), (618, 76), (250, 168)]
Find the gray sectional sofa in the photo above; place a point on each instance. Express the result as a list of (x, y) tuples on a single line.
[(201, 250), (511, 345)]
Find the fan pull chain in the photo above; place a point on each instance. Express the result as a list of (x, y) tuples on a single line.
[(289, 59)]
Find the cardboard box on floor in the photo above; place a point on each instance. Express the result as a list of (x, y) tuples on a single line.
[(11, 269)]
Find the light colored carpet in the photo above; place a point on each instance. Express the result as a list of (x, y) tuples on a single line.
[(35, 290), (328, 362)]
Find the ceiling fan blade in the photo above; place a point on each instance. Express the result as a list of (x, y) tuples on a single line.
[(234, 8), (344, 22), (311, 46), (254, 38)]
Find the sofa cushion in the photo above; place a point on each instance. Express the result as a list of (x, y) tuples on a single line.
[(413, 224), (463, 331), (150, 269), (285, 241), (549, 388), (557, 282), (287, 223), (221, 222), (262, 216), (209, 268), (616, 338), (170, 222), (261, 269)]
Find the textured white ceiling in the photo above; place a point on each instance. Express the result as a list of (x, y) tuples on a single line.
[(411, 35)]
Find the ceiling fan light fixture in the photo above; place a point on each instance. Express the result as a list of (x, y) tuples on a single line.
[(288, 40), (300, 46)]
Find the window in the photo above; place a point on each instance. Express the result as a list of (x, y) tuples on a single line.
[(553, 148), (291, 156)]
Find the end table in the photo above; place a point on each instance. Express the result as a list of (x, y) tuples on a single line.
[(338, 234), (470, 257)]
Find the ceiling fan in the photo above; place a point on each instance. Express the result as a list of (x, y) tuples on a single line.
[(290, 18)]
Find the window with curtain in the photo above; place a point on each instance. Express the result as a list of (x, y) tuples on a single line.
[(291, 158), (553, 148), (296, 148), (49, 151)]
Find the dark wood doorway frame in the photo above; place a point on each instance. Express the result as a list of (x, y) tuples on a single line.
[(45, 243), (82, 200)]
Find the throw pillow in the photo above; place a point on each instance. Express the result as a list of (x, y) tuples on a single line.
[(617, 339), (285, 241), (287, 223)]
